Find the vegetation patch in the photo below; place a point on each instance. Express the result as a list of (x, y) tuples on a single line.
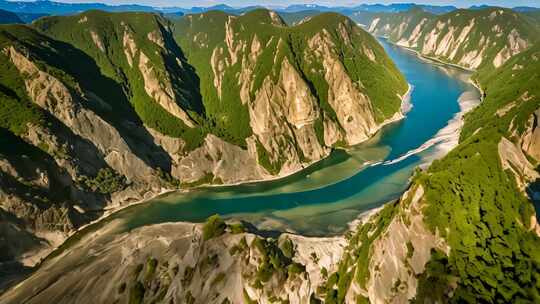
[(106, 181), (213, 227)]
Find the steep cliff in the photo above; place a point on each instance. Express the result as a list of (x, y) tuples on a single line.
[(478, 201), (290, 94), (63, 159), (214, 263), (100, 110), (474, 39)]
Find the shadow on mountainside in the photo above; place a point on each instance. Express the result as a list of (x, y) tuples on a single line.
[(111, 104)]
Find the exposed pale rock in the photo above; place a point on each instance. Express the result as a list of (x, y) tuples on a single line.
[(161, 91), (301, 106), (218, 68), (530, 140), (353, 108), (369, 53), (373, 25), (461, 39), (227, 163), (256, 49), (344, 33), (97, 41), (412, 40), (53, 96), (268, 123), (391, 262), (248, 64), (233, 46), (332, 132), (514, 46), (513, 159), (130, 48), (443, 46), (172, 145), (431, 39), (472, 59), (276, 20), (210, 270), (283, 115), (157, 38)]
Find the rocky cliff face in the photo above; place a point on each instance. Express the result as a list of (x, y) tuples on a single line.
[(212, 264), (485, 38), (298, 99), (457, 234), (379, 260), (100, 110), (465, 231), (497, 145)]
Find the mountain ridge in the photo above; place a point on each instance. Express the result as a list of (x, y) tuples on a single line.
[(474, 39), (133, 117), (469, 244)]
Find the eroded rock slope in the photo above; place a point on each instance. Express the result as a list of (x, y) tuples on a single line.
[(474, 39), (100, 110)]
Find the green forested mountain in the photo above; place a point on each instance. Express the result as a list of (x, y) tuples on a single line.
[(534, 15), (488, 218), (111, 108), (466, 231), (237, 57), (131, 48), (294, 18), (475, 39)]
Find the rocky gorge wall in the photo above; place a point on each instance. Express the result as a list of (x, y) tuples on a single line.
[(136, 117), (474, 40)]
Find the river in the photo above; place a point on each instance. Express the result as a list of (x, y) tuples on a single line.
[(325, 198)]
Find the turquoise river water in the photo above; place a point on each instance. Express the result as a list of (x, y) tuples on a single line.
[(325, 197)]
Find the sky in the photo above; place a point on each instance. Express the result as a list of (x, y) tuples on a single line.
[(238, 3)]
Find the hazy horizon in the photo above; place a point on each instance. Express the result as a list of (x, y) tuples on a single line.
[(284, 3)]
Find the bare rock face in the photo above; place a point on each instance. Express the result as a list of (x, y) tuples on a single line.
[(270, 128), (401, 253), (97, 41), (412, 40), (222, 161), (282, 117), (161, 92), (218, 67), (530, 141), (51, 94), (332, 133), (353, 108), (234, 46), (301, 106), (175, 263), (290, 128), (157, 38), (513, 159), (471, 40), (130, 48), (515, 45)]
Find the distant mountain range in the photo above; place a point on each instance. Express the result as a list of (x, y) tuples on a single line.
[(8, 17), (59, 8), (29, 11), (376, 8)]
